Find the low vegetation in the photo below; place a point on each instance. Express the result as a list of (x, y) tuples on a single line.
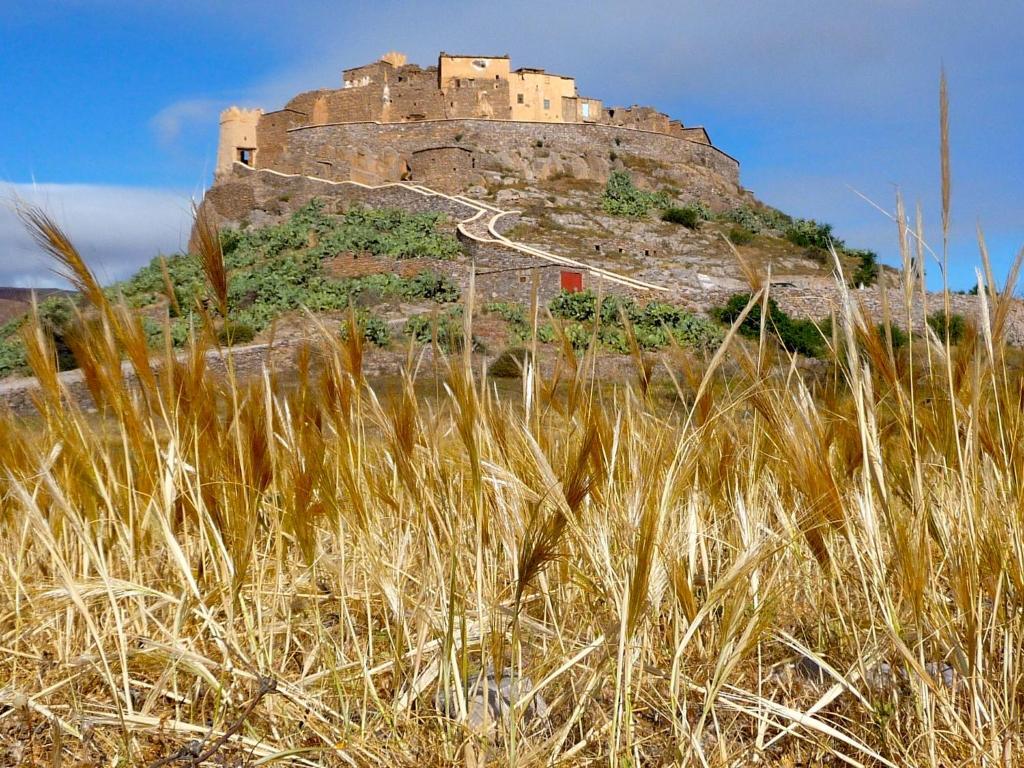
[(653, 326), (441, 328), (795, 335), (269, 271), (623, 198), (373, 329), (687, 217)]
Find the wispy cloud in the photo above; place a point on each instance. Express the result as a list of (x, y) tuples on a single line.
[(172, 121), (117, 229)]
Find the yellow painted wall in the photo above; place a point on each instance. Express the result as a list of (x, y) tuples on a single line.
[(535, 88), (471, 67), (237, 130)]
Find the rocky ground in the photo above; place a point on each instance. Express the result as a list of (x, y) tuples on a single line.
[(565, 216)]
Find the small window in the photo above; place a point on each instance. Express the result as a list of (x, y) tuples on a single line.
[(245, 155), (522, 277), (519, 98), (547, 103), (458, 83)]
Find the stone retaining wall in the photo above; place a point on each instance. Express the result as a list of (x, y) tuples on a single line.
[(820, 303), (525, 150)]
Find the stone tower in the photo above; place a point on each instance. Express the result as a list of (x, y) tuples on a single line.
[(237, 137)]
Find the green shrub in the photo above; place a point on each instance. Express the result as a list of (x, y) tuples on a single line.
[(374, 329), (574, 305), (795, 335), (622, 198), (578, 335), (514, 314), (612, 308), (444, 327), (13, 360), (757, 220), (655, 325), (900, 338), (233, 332), (808, 233), (866, 271), (740, 235), (697, 332), (953, 326), (688, 217), (431, 285)]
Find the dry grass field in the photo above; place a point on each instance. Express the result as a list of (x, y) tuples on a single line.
[(755, 569)]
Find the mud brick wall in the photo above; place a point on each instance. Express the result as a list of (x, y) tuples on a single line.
[(478, 98)]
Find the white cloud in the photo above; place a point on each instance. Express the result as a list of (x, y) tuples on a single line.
[(116, 229), (170, 122)]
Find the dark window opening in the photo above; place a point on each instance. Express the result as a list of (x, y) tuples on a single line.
[(519, 98), (522, 278), (245, 155), (597, 248)]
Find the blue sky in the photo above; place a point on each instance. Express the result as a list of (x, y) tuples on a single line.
[(109, 108)]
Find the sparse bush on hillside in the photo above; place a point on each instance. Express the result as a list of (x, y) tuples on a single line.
[(808, 233), (232, 332), (374, 329), (514, 314), (688, 216), (740, 235), (623, 198), (953, 326), (443, 327), (386, 232), (796, 335), (866, 271), (13, 361), (56, 316), (757, 220)]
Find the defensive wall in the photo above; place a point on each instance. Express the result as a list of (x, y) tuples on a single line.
[(454, 154)]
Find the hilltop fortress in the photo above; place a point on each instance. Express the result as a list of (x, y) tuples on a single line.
[(462, 138), (467, 121)]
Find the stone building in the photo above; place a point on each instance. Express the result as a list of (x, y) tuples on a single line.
[(451, 124)]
